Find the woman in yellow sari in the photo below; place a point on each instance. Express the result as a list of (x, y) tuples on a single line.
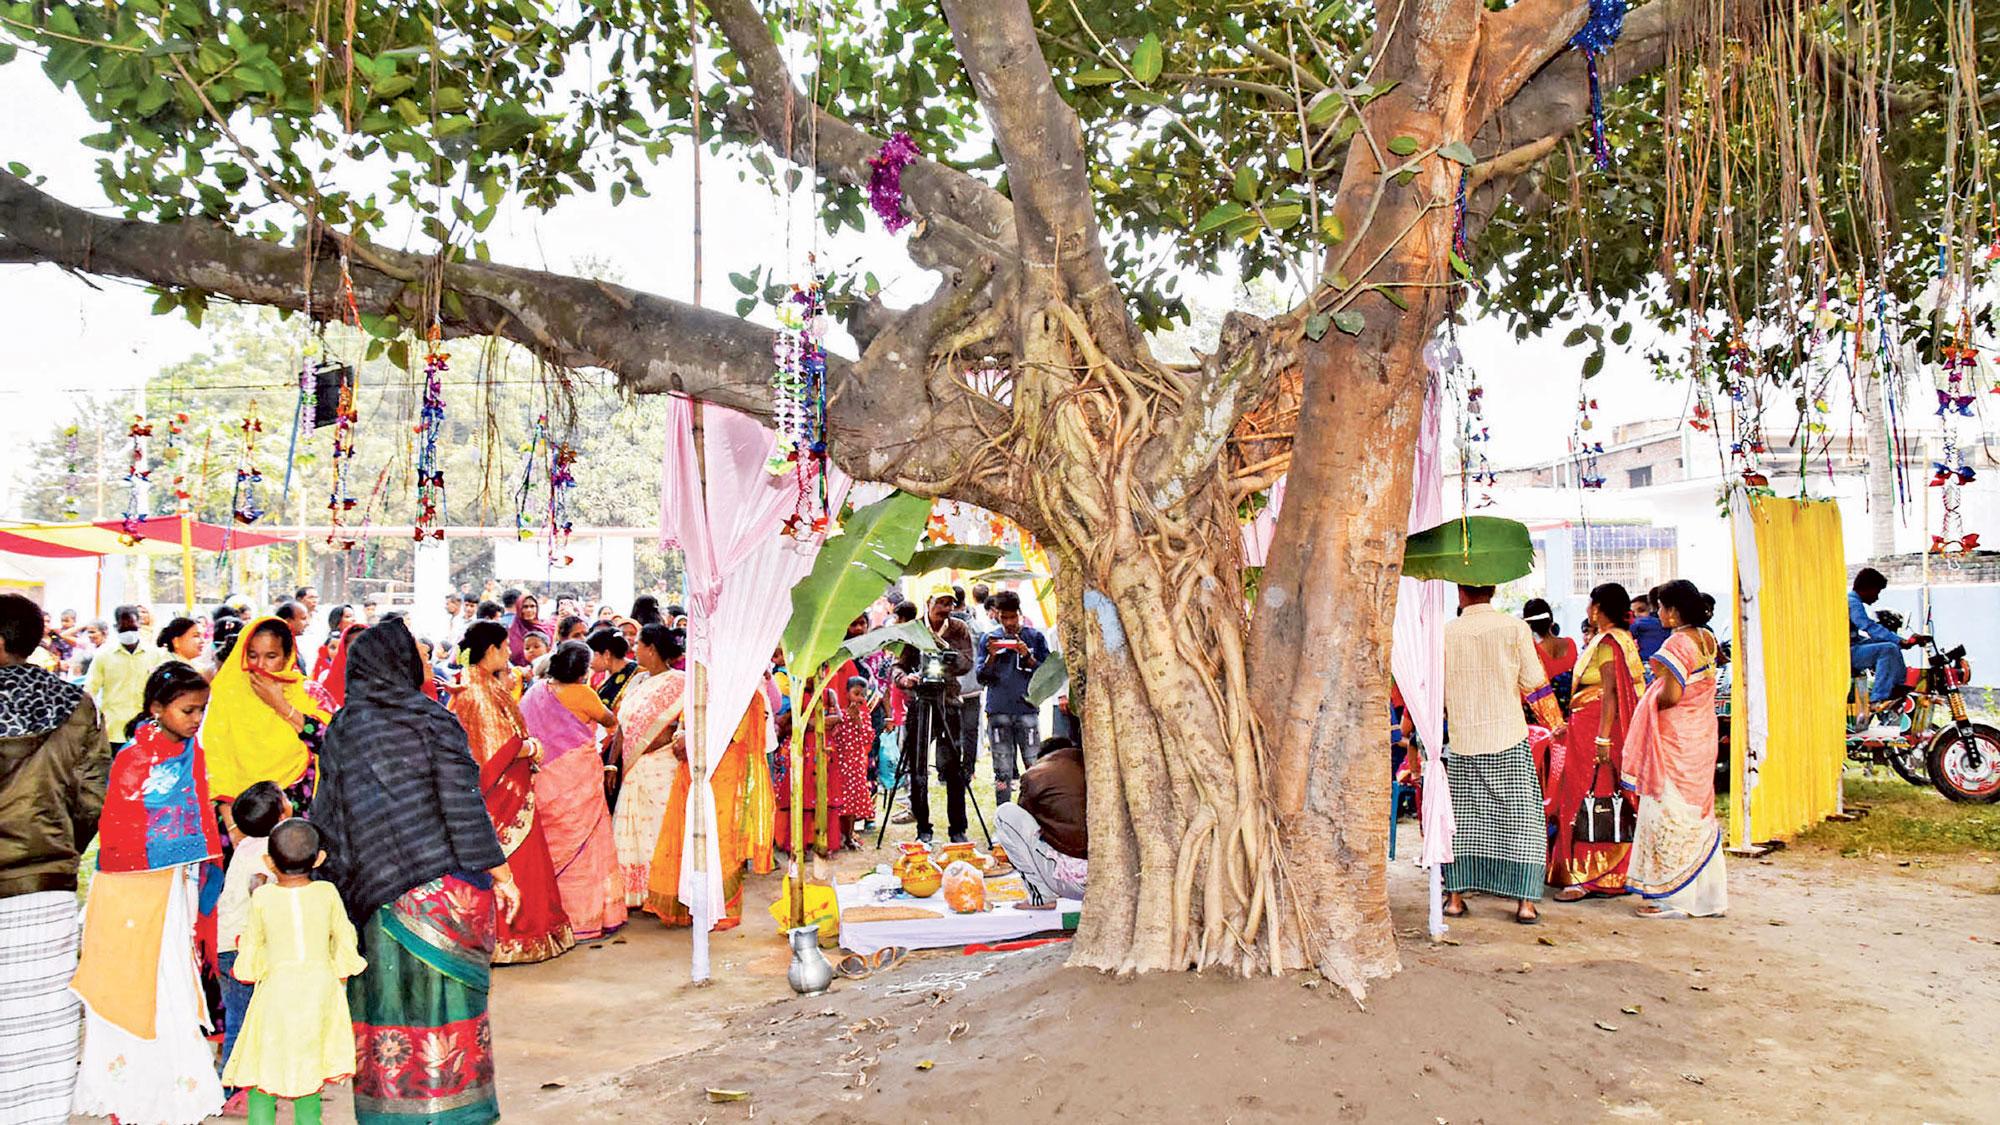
[(265, 719), (733, 829), (649, 719)]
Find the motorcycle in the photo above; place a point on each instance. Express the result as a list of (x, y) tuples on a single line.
[(1938, 745)]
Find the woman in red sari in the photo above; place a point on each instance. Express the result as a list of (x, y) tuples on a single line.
[(1608, 678), (508, 759)]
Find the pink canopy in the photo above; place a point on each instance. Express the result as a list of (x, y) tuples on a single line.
[(740, 572)]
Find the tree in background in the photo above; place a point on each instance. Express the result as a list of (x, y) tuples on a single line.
[(1065, 164)]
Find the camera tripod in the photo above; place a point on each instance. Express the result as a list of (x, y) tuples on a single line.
[(930, 723)]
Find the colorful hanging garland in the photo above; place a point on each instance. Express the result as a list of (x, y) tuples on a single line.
[(798, 404), (340, 500), (1589, 476), (536, 441), (430, 426), (1599, 31), (1957, 385), (136, 475), (562, 483), (244, 503), (70, 504), (885, 180)]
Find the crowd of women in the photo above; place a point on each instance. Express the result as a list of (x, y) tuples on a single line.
[(1621, 762), (491, 809)]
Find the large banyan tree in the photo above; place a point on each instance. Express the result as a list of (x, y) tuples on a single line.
[(1074, 158)]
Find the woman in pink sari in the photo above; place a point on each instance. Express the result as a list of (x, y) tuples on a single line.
[(563, 714), (1670, 762), (649, 718)]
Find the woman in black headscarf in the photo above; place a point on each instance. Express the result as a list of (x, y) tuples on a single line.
[(419, 867)]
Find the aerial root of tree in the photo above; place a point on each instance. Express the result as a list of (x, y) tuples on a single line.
[(1156, 588)]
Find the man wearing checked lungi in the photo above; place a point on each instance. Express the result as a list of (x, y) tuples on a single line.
[(53, 763), (1500, 843)]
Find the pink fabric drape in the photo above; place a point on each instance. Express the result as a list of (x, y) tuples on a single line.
[(1416, 655), (740, 572)]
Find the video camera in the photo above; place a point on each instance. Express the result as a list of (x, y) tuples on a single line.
[(934, 672)]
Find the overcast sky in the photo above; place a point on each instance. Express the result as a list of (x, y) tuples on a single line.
[(67, 338)]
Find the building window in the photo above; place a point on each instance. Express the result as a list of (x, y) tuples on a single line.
[(1640, 477)]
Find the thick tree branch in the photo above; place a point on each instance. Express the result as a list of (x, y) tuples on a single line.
[(652, 344), (1517, 42), (1557, 99), (1047, 170), (968, 216)]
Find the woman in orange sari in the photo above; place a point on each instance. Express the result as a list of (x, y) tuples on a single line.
[(732, 828), (1606, 691), (1677, 860), (562, 712), (508, 759)]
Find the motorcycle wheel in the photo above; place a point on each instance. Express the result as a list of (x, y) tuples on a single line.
[(1909, 764), (1959, 779)]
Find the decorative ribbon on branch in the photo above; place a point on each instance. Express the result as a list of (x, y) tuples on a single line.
[(562, 483), (885, 180), (1599, 31), (173, 455), (430, 425), (798, 404), (339, 500)]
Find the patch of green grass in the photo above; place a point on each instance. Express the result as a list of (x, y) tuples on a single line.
[(1905, 820)]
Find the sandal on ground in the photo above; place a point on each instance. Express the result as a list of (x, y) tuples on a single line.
[(1521, 919), (1571, 894), (858, 966), (1657, 912), (1461, 912)]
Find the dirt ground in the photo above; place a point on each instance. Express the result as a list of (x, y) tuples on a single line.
[(1836, 989)]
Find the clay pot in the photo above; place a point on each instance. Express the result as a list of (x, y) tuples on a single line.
[(920, 874)]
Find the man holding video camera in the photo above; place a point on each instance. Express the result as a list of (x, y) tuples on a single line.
[(934, 716)]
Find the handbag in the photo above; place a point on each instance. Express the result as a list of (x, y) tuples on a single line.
[(1605, 820)]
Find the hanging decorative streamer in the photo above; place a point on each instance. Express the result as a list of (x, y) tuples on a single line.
[(430, 425), (243, 503), (885, 180), (136, 475), (1587, 448), (798, 403), (364, 563), (1957, 386), (536, 441), (1599, 31), (562, 482), (339, 500), (173, 454), (70, 504)]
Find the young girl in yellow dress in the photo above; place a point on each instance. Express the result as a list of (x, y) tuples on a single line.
[(297, 948)]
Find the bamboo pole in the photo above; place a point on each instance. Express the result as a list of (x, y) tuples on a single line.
[(820, 836), (187, 560), (797, 780)]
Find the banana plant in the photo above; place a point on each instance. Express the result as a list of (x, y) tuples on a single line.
[(1471, 551)]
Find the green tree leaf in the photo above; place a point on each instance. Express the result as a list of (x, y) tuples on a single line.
[(1147, 58)]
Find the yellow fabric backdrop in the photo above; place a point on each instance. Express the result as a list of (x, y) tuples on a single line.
[(1802, 606)]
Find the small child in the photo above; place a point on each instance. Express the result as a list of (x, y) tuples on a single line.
[(249, 819), (298, 948)]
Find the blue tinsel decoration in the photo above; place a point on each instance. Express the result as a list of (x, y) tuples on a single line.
[(1599, 31)]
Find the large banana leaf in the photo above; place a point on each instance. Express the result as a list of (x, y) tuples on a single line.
[(953, 556), (914, 633), (1049, 679), (1471, 551), (851, 571)]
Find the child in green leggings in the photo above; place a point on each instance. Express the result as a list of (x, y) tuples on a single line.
[(298, 948)]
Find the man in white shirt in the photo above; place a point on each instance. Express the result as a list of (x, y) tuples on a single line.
[(1500, 842)]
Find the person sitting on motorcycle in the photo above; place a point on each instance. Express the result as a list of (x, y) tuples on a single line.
[(1874, 646)]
